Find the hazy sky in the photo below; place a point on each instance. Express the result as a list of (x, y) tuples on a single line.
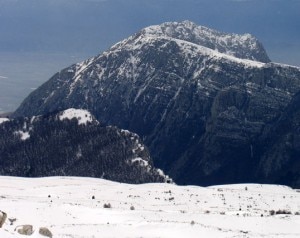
[(45, 29), (90, 26)]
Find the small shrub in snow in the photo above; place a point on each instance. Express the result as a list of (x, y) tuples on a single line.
[(12, 220), (93, 197), (222, 213), (297, 213), (207, 212), (192, 223), (132, 208), (107, 205), (279, 212)]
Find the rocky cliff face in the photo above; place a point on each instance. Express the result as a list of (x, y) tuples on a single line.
[(73, 143), (280, 160), (203, 114)]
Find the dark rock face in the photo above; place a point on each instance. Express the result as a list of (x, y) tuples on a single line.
[(280, 162), (53, 146), (205, 116)]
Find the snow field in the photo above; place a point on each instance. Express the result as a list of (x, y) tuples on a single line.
[(73, 207)]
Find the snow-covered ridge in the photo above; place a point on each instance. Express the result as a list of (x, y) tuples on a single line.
[(74, 207), (185, 28), (3, 120), (285, 65), (186, 47), (83, 116), (243, 46)]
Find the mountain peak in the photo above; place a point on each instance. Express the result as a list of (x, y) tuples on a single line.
[(243, 46)]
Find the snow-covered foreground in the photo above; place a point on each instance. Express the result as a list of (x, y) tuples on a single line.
[(74, 207)]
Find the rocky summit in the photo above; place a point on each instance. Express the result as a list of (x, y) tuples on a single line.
[(210, 106), (73, 142)]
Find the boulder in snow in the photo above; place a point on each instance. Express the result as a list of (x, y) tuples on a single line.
[(25, 230), (44, 231), (3, 217)]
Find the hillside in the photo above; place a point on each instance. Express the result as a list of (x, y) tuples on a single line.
[(72, 142)]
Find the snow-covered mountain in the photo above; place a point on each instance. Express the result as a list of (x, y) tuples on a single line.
[(79, 207), (241, 46), (204, 102), (74, 143)]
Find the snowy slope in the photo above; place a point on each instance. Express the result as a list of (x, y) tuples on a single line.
[(65, 206)]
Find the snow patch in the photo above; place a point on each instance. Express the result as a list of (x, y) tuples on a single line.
[(126, 132), (24, 135), (142, 162), (83, 116), (2, 120)]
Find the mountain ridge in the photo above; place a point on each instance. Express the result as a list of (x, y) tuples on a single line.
[(243, 46), (203, 114)]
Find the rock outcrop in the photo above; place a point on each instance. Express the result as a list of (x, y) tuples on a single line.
[(3, 217), (44, 231), (25, 230)]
